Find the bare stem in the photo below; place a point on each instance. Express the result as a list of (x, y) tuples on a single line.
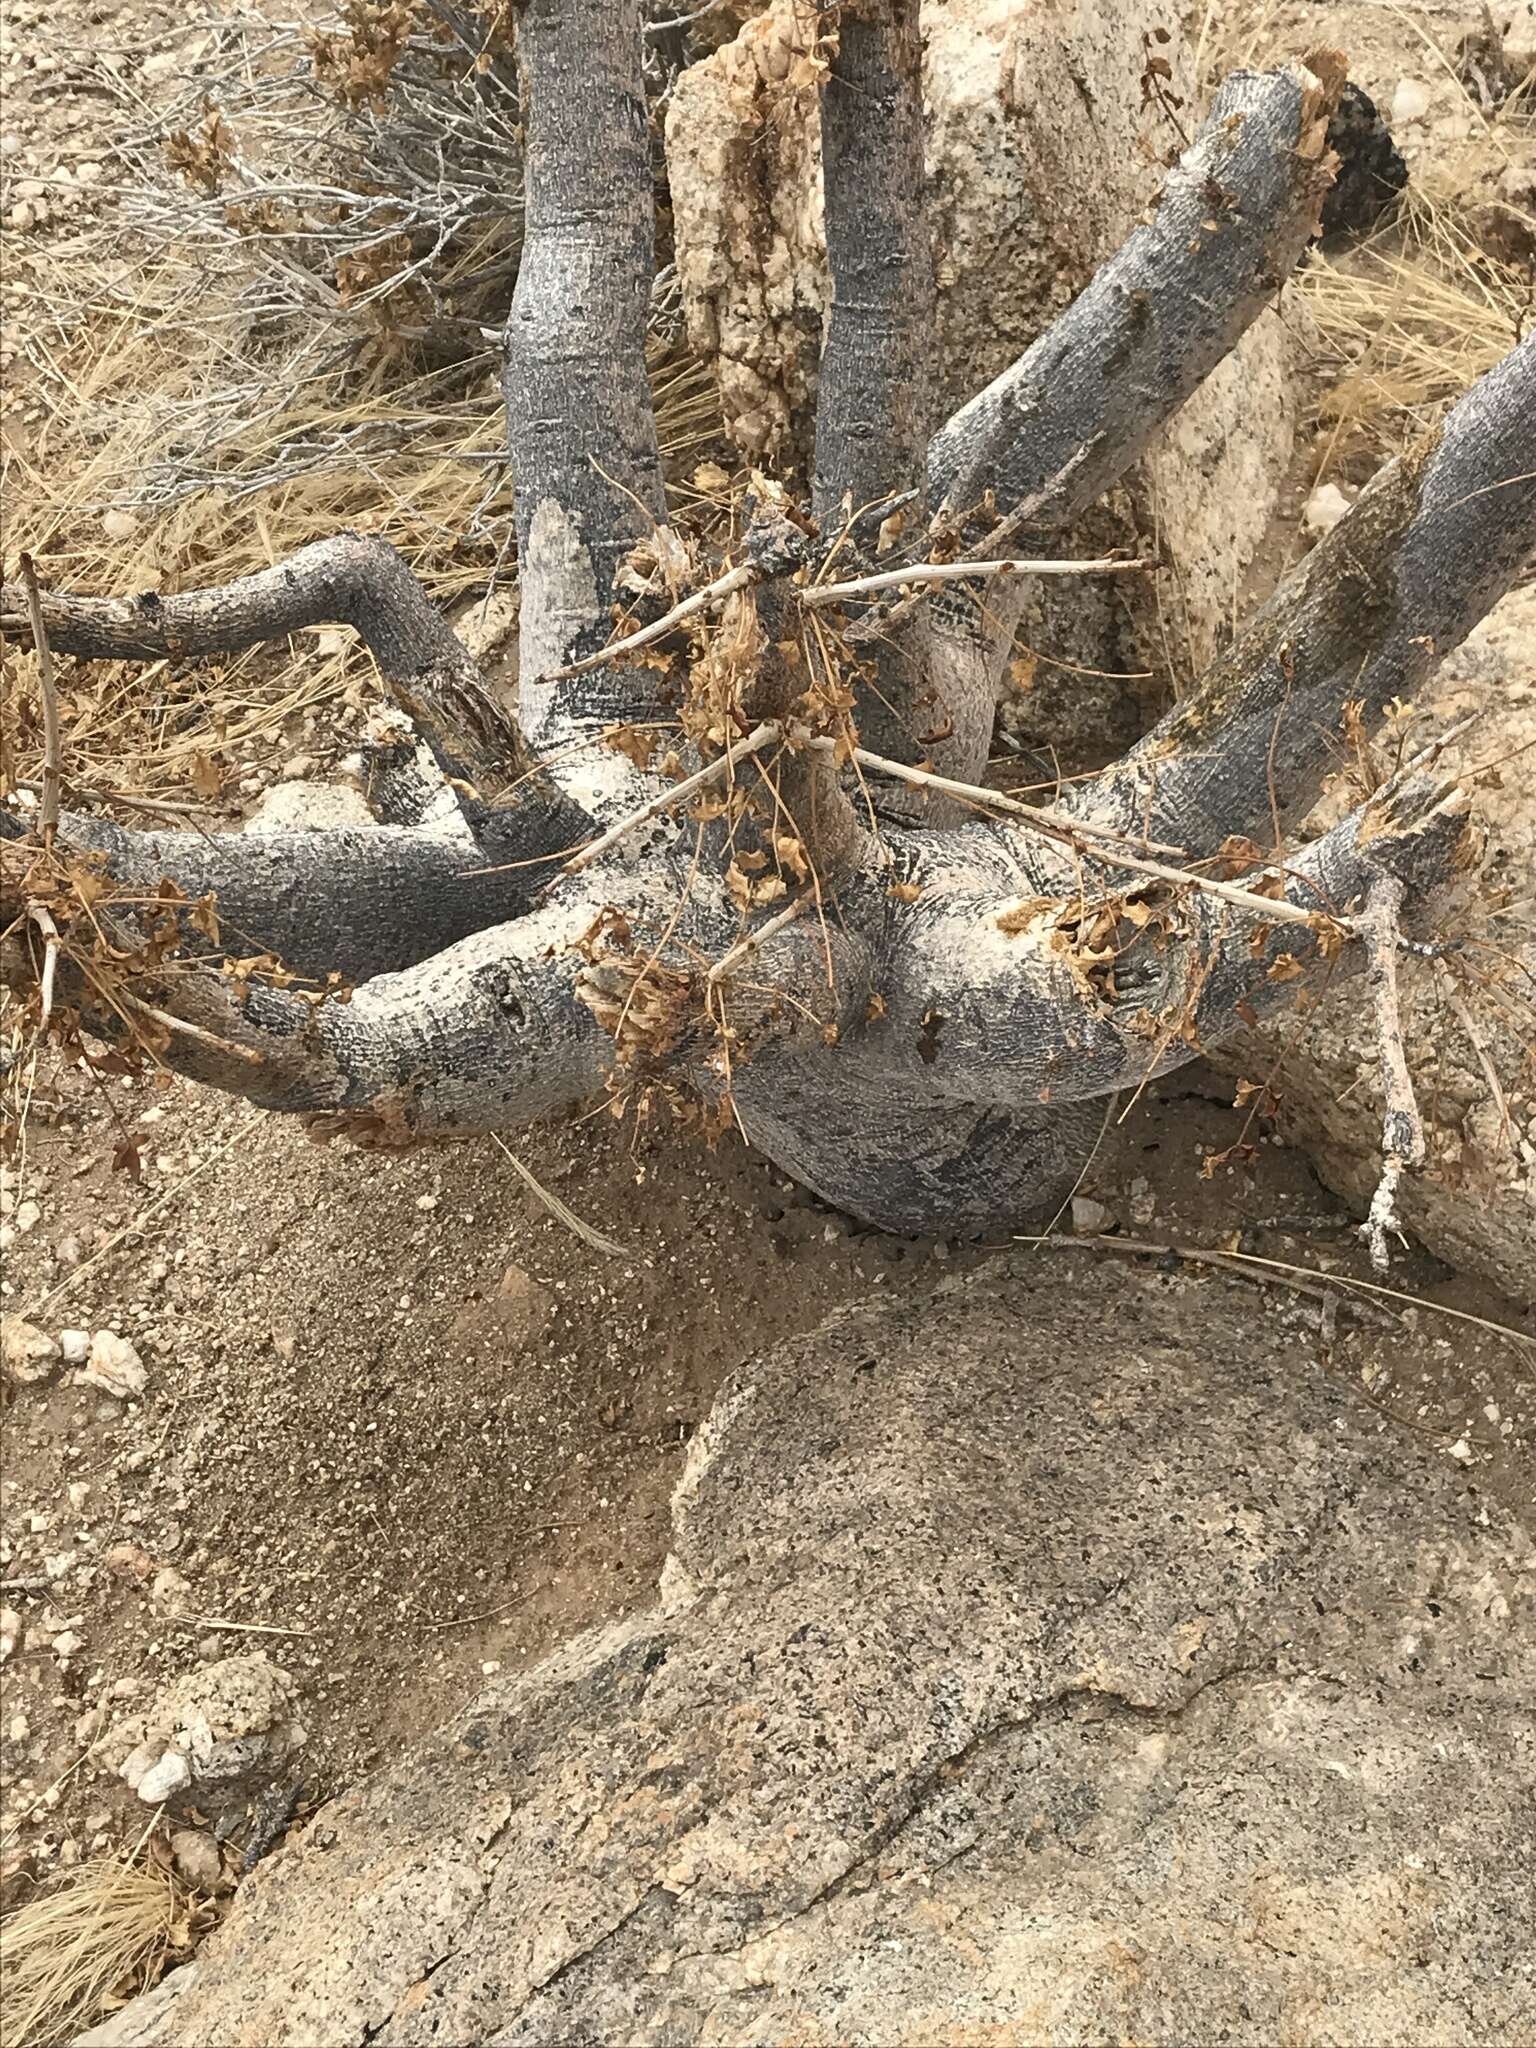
[(52, 741), (722, 587), (963, 572), (1402, 1128)]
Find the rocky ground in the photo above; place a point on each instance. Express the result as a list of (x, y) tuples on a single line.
[(387, 1423)]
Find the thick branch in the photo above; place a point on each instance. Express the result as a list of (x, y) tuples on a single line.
[(1421, 556), (511, 805), (1055, 1000), (484, 1035), (1051, 434), (873, 401), (352, 902), (1055, 431), (872, 405), (580, 428)]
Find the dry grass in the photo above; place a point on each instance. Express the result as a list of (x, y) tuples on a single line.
[(211, 394), (376, 444), (107, 1932), (1413, 319)]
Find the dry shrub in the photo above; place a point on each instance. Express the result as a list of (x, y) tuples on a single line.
[(289, 329), (107, 1932), (1410, 321)]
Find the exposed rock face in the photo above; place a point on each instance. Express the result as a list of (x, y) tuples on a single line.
[(1042, 155), (1067, 1659)]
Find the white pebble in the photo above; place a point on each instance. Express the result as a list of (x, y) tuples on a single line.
[(1410, 101), (115, 1367), (1324, 509), (167, 1777)]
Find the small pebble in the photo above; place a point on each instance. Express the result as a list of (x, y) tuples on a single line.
[(1410, 101)]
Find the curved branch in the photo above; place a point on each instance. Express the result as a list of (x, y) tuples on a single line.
[(484, 1035), (580, 428), (1053, 1000), (511, 805), (1052, 433), (1056, 430), (1422, 555)]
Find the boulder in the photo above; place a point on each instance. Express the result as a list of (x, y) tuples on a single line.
[(1063, 1657)]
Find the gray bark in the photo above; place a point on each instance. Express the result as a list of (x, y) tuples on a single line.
[(512, 806), (1420, 557), (580, 428), (874, 389), (355, 902), (1053, 433)]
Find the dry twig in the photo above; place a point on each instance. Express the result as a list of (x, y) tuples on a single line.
[(1402, 1129)]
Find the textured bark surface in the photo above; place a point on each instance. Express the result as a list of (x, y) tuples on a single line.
[(579, 423), (913, 1008), (1370, 613), (1010, 1680)]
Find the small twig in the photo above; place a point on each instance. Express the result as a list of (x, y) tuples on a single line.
[(43, 919), (733, 580), (248, 1053), (52, 742), (250, 1628), (1243, 1263), (962, 572), (753, 940), (669, 799), (1402, 1129), (1102, 844), (557, 1208)]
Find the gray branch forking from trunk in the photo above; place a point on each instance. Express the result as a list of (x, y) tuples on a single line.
[(1055, 431), (1423, 554), (1045, 439), (353, 902), (872, 402), (511, 805), (580, 429)]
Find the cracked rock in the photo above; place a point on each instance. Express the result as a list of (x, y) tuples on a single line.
[(1038, 1661)]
